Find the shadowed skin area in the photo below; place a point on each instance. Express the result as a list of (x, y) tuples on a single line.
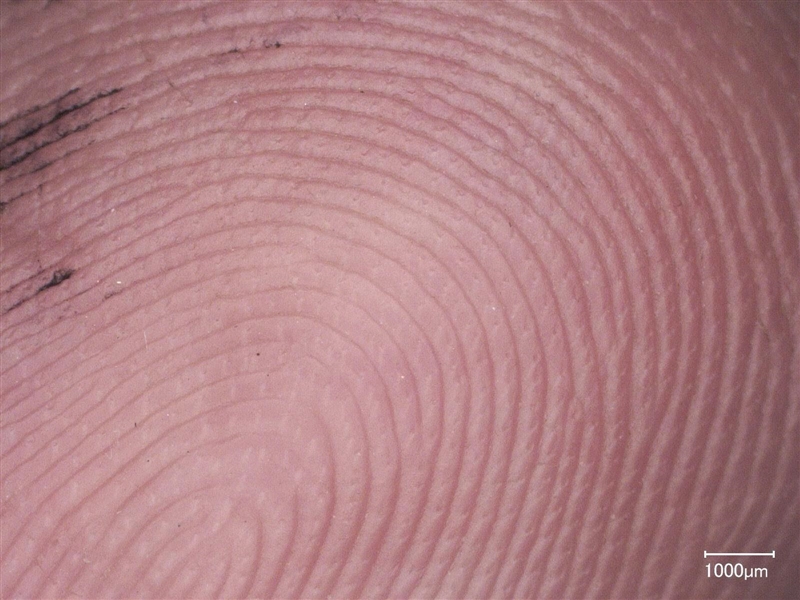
[(413, 300)]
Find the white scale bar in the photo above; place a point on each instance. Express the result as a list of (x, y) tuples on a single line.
[(707, 554)]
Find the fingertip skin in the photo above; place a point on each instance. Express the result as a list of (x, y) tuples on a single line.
[(440, 300)]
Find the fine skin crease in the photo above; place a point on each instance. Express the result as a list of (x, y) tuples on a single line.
[(355, 300)]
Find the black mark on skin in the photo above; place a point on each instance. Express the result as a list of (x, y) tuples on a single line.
[(53, 104), (19, 283), (33, 128), (46, 164), (16, 304), (4, 204), (26, 134), (59, 277)]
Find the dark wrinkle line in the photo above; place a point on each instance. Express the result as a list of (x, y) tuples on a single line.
[(42, 166), (239, 50), (16, 304), (36, 108), (4, 204), (14, 286), (61, 113), (47, 164), (59, 277), (59, 136)]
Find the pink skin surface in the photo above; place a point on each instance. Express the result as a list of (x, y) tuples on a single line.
[(405, 300)]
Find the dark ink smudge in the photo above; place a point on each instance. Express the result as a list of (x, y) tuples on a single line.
[(58, 277)]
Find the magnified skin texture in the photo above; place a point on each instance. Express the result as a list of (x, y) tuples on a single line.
[(360, 300)]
